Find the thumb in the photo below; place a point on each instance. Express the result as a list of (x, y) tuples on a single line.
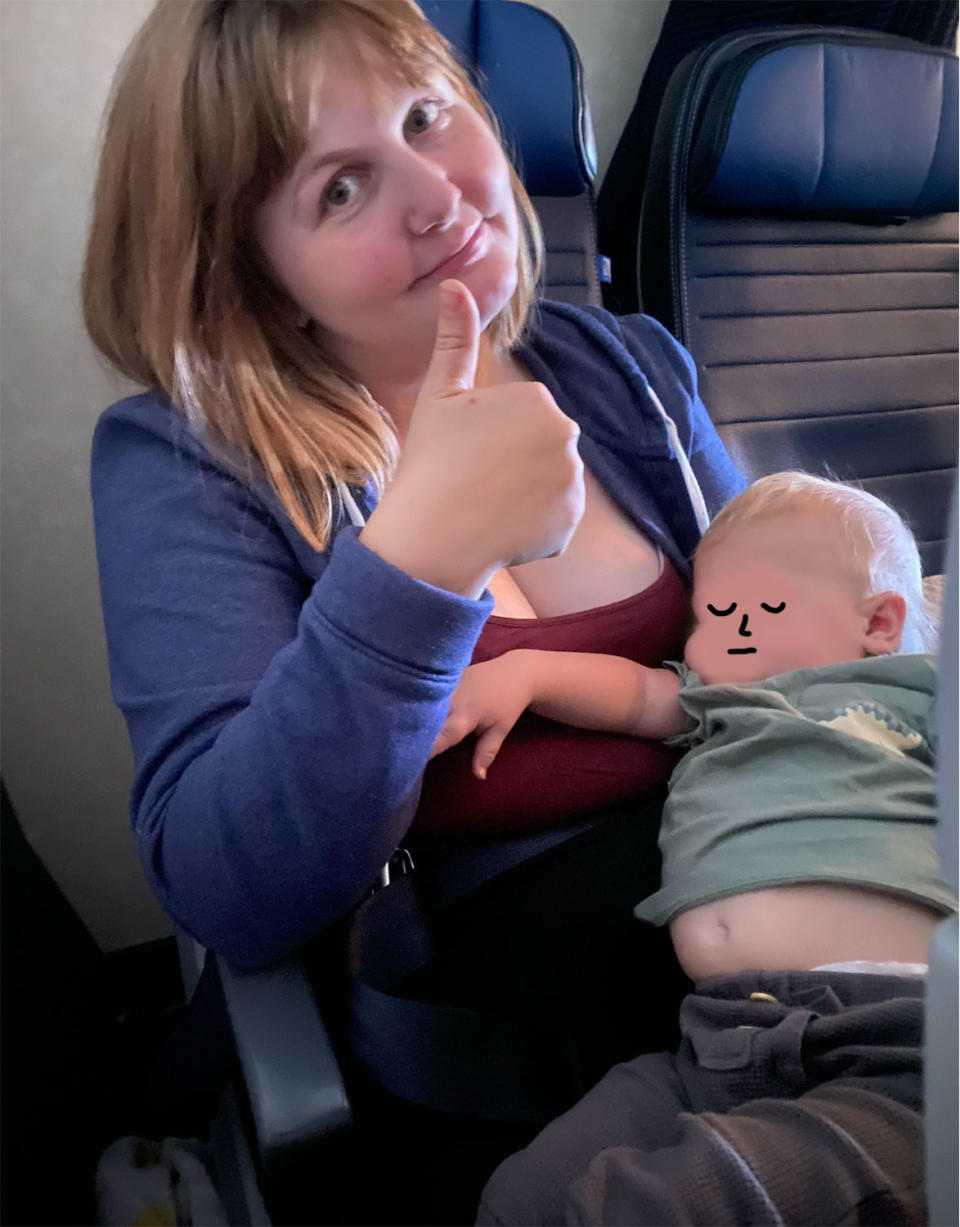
[(453, 364)]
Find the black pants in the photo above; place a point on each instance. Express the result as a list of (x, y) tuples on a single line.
[(552, 937), (556, 936)]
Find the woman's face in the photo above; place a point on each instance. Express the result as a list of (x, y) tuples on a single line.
[(396, 191)]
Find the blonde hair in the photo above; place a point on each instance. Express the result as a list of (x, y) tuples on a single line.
[(208, 114), (882, 548)]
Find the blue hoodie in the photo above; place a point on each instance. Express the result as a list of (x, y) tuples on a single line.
[(281, 702)]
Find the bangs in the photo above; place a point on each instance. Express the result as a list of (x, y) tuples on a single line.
[(385, 41), (391, 35)]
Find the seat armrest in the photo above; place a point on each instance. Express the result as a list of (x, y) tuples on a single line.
[(294, 1086)]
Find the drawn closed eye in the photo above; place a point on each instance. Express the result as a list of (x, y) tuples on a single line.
[(722, 613), (773, 608)]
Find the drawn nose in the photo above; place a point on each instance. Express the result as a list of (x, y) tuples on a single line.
[(743, 627)]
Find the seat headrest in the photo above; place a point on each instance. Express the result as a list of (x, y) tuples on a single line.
[(528, 69), (829, 125)]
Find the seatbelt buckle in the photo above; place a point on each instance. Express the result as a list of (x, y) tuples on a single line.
[(398, 866)]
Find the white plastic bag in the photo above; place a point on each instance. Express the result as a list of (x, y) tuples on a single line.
[(141, 1183)]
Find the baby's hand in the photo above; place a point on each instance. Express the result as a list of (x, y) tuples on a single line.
[(488, 701)]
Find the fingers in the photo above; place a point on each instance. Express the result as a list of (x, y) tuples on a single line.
[(446, 738), (453, 366), (456, 726), (487, 749), (489, 740)]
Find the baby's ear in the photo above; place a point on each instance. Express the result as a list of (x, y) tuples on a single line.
[(885, 614)]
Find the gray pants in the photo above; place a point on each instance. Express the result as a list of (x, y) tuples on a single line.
[(802, 1105)]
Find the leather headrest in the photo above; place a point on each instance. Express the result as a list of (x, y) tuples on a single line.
[(529, 71), (828, 126)]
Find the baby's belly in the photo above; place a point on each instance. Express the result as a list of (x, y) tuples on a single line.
[(801, 926)]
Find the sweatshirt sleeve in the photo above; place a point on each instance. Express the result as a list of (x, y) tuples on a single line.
[(280, 723), (673, 376)]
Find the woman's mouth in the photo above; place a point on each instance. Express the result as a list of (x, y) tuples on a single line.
[(473, 249)]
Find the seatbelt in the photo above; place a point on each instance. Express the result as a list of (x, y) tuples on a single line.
[(448, 1058)]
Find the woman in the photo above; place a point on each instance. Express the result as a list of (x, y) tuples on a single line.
[(359, 439)]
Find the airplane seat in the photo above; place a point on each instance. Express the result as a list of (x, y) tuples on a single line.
[(544, 117), (798, 235)]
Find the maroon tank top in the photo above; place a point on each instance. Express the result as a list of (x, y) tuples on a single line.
[(548, 773)]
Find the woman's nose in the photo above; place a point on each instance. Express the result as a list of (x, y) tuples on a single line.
[(743, 627), (433, 202)]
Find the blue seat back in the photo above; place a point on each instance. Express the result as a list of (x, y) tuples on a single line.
[(545, 120), (799, 236)]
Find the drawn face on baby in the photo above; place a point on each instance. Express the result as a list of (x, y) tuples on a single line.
[(773, 596)]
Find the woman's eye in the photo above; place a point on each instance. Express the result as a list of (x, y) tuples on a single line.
[(722, 613), (773, 608), (422, 116), (341, 191)]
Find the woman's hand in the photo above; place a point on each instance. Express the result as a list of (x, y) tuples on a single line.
[(488, 701), (489, 477)]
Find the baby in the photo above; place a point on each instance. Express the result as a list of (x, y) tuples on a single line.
[(798, 835), (799, 827)]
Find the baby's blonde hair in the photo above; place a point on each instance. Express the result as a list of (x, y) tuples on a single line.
[(882, 548)]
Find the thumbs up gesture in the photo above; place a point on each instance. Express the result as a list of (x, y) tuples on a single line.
[(453, 364), (489, 477)]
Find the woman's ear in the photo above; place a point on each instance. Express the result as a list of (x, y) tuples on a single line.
[(885, 614)]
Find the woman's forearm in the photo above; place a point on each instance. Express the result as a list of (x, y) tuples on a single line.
[(263, 813), (279, 729), (607, 693)]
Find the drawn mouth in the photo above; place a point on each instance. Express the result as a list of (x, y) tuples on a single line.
[(740, 651)]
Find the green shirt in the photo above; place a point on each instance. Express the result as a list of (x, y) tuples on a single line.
[(820, 775)]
